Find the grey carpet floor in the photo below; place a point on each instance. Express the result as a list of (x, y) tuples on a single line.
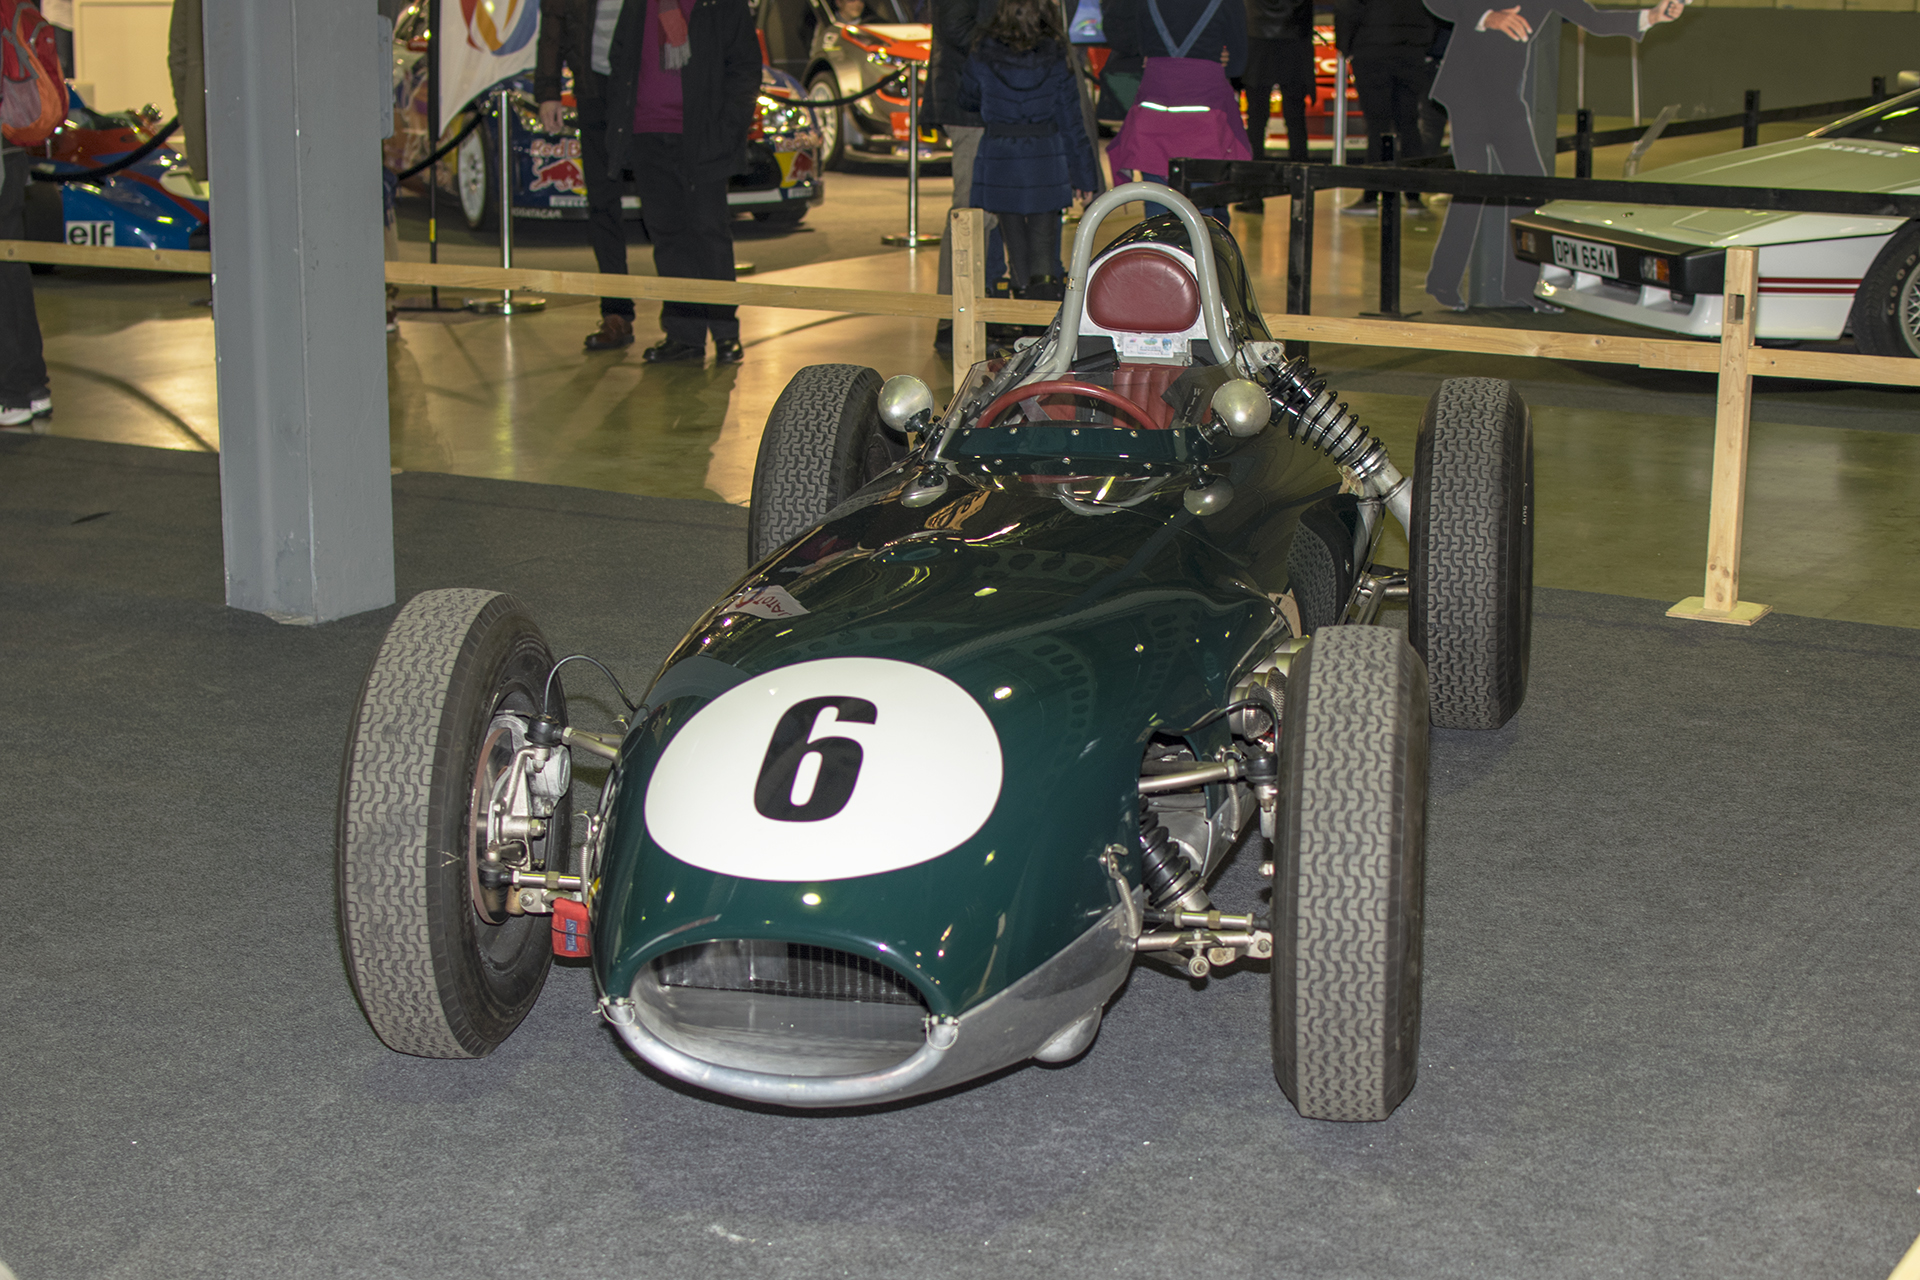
[(1670, 1003)]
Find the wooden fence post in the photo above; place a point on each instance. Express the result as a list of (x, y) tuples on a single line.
[(1721, 601), (968, 236)]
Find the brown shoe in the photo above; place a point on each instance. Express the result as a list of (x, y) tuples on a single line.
[(615, 331)]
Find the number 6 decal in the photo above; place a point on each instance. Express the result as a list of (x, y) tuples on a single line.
[(818, 772), (801, 763)]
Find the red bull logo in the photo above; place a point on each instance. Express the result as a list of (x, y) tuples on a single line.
[(558, 175)]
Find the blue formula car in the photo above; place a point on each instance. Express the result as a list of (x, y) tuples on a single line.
[(152, 203)]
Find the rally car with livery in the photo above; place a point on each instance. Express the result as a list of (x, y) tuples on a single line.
[(782, 177), (1005, 687), (1822, 276), (852, 53)]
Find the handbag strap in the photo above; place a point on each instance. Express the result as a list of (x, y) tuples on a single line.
[(1166, 37)]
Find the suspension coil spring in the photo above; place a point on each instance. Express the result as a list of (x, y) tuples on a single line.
[(1166, 874), (1315, 418)]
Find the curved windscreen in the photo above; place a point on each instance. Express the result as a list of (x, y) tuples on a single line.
[(1897, 120)]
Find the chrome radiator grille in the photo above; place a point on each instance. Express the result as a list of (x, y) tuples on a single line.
[(785, 969)]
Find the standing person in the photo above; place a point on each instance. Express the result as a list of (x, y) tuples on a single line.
[(1186, 107), (680, 99), (1480, 82), (1035, 156), (1387, 42), (578, 34), (1279, 56), (956, 25), (33, 102)]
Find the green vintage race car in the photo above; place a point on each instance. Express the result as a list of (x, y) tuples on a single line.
[(1005, 687)]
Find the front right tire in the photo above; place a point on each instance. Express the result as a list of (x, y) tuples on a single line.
[(433, 976)]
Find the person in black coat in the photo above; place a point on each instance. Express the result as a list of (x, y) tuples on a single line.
[(1279, 56), (680, 99), (1481, 81), (1035, 155), (1387, 43), (577, 35), (956, 28)]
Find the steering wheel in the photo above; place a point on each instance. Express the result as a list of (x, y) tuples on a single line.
[(1065, 386)]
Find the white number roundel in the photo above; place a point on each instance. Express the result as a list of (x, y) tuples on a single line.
[(826, 770)]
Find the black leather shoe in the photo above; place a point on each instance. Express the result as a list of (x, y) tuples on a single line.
[(615, 331), (728, 351), (668, 351)]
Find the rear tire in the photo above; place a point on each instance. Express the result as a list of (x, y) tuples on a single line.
[(474, 180), (1886, 310), (1349, 876), (1470, 615), (433, 978), (823, 441)]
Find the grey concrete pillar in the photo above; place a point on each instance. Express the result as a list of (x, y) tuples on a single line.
[(298, 98)]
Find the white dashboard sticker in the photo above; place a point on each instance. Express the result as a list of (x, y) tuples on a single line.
[(826, 770)]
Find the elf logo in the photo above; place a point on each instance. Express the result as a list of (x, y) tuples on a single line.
[(821, 771), (96, 235)]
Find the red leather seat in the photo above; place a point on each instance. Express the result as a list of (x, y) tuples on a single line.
[(1142, 290)]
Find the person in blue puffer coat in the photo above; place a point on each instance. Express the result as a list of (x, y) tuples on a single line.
[(1035, 156)]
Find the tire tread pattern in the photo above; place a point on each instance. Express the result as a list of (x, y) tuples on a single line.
[(1349, 878), (802, 470), (385, 805), (1472, 552)]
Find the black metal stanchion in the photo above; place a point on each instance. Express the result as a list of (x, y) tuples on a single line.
[(1750, 130), (1879, 89), (1583, 143), (1389, 245), (1300, 249)]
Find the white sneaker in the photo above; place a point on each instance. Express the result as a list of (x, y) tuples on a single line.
[(42, 404), (20, 419)]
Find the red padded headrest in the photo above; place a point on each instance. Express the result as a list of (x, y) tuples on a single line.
[(1141, 290)]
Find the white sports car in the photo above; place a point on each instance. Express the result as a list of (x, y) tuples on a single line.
[(1821, 276)]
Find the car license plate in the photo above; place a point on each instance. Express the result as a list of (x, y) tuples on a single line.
[(1584, 255)]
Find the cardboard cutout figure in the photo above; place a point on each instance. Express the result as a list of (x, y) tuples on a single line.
[(1482, 82)]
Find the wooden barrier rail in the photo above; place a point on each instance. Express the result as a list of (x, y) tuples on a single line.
[(1735, 359)]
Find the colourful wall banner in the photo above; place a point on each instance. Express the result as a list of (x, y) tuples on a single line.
[(485, 41)]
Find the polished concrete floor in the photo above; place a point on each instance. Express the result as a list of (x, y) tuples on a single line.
[(1623, 455)]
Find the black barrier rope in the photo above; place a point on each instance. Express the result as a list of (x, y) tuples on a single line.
[(132, 157), (474, 123), (852, 98), (441, 154)]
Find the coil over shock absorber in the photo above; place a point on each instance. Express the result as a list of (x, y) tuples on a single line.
[(1170, 880), (1315, 418)]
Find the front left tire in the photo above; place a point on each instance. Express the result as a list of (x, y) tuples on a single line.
[(433, 976), (1349, 875)]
